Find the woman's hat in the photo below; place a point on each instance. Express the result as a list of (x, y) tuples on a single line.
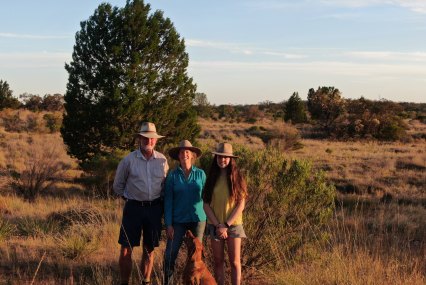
[(185, 144), (148, 130), (224, 149)]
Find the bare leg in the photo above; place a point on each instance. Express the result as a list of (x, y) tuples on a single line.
[(147, 262), (219, 260), (234, 252), (125, 263)]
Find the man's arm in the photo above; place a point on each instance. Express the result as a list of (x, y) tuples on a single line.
[(121, 177)]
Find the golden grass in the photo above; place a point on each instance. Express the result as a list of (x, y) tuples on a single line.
[(357, 268), (365, 167), (372, 242)]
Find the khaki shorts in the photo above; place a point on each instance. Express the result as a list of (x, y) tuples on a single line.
[(234, 231)]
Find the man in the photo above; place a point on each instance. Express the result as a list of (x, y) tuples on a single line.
[(139, 180)]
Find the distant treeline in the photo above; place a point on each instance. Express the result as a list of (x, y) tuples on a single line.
[(325, 108)]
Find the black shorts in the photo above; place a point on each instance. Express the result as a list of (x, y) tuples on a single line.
[(138, 218)]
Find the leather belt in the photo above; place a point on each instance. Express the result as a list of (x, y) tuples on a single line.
[(146, 203)]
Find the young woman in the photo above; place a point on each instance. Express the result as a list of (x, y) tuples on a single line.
[(224, 199), (183, 204)]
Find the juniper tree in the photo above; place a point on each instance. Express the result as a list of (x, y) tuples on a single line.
[(6, 98), (294, 109), (326, 105), (128, 66)]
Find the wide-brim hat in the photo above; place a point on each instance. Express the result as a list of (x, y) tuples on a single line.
[(224, 149), (185, 144), (148, 130)]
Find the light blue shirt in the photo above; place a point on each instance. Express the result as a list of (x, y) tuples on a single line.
[(183, 201), (140, 179)]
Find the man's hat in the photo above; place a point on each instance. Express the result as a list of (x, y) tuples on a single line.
[(148, 130)]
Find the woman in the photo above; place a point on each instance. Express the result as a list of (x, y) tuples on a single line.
[(224, 200), (183, 205)]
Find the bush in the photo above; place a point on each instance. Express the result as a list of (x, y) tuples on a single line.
[(36, 227), (42, 169), (100, 172), (391, 130), (14, 123), (6, 229), (283, 138), (53, 122), (288, 207), (80, 241)]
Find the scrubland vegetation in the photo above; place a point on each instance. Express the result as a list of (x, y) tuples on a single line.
[(320, 211), (337, 186)]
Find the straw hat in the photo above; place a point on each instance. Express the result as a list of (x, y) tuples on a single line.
[(148, 130), (185, 144), (224, 149)]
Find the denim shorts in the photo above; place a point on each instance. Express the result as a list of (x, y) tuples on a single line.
[(138, 218), (234, 231)]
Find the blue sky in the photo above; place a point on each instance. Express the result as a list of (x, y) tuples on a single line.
[(243, 52)]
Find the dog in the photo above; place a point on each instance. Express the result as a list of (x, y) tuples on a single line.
[(196, 271)]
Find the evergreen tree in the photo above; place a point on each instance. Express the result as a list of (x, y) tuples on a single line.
[(6, 98), (295, 109), (326, 105), (128, 66)]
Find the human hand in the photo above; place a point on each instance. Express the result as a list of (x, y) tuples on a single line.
[(170, 231), (222, 231)]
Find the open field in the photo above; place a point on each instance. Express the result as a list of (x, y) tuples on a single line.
[(366, 168), (377, 234)]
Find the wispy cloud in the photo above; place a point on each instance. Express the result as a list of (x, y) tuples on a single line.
[(34, 37), (274, 4), (418, 6), (311, 53), (243, 49), (33, 59), (323, 68), (231, 47), (389, 56)]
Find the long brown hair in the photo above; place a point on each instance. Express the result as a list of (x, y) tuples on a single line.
[(236, 183)]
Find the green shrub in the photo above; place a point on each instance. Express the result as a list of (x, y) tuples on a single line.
[(35, 227), (78, 242), (100, 172), (391, 130), (6, 229), (283, 138), (79, 215), (53, 122), (288, 208)]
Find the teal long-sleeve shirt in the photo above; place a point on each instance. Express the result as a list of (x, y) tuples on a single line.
[(183, 201)]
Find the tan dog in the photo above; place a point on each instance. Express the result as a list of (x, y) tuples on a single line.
[(196, 272)]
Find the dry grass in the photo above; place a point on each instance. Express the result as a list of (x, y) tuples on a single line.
[(370, 243), (367, 167), (372, 240), (371, 167)]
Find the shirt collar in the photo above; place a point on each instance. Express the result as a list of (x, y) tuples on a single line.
[(181, 169), (140, 155)]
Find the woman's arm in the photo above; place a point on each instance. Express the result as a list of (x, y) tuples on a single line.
[(221, 230), (210, 214), (236, 212), (168, 205)]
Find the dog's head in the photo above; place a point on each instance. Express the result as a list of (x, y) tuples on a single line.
[(195, 248)]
